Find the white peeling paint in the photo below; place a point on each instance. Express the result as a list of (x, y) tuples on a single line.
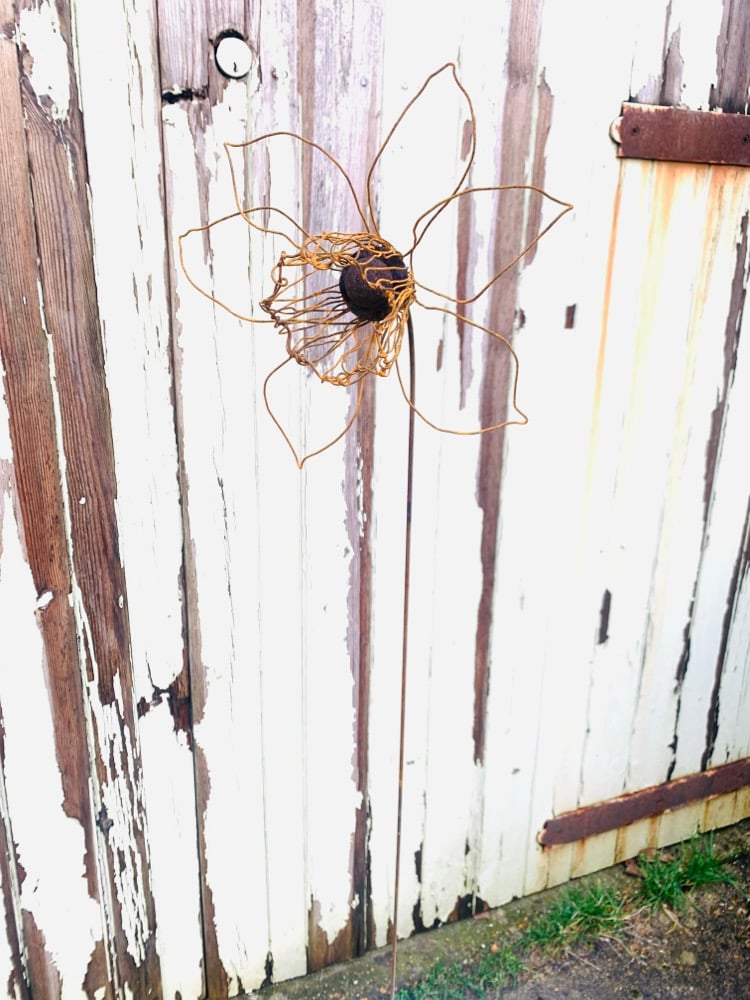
[(12, 891), (117, 799), (119, 93), (697, 27), (44, 600), (617, 399), (172, 852), (39, 33), (216, 410), (110, 743), (71, 931), (129, 255)]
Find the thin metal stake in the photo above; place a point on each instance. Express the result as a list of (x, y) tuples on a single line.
[(404, 645)]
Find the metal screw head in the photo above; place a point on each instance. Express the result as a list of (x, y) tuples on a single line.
[(233, 56)]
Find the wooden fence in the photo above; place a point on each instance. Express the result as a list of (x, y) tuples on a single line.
[(201, 644)]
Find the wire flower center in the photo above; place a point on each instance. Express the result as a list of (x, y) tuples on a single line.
[(370, 286)]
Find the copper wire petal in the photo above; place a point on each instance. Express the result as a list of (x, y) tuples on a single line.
[(272, 169), (415, 162), (450, 375), (310, 438), (514, 218)]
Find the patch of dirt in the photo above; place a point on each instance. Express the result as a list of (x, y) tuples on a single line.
[(701, 952)]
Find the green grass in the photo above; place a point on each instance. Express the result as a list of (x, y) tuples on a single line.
[(458, 980), (665, 879), (443, 982), (575, 915), (578, 915), (498, 968)]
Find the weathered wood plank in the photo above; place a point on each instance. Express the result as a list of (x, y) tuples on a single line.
[(418, 168), (49, 644), (130, 254), (732, 63), (318, 664), (449, 621), (186, 40), (214, 487), (69, 362), (23, 642), (62, 947), (718, 640), (534, 648), (674, 52), (341, 68), (579, 618), (233, 652)]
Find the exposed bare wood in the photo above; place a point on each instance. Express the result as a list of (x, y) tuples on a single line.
[(130, 260), (14, 962), (58, 367), (186, 43), (579, 626), (515, 168), (26, 364), (730, 92)]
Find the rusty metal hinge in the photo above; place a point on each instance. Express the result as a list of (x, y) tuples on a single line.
[(651, 132)]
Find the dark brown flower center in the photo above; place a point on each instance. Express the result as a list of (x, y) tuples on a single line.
[(369, 285)]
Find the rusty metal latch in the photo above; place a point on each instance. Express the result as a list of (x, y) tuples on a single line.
[(651, 132)]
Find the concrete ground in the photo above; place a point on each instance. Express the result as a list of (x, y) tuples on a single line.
[(699, 953)]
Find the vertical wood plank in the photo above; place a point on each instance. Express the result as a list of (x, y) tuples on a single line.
[(335, 910), (536, 670), (421, 165), (339, 69), (24, 643), (211, 412), (62, 947), (68, 362), (130, 253), (717, 635), (222, 638), (55, 948), (253, 826)]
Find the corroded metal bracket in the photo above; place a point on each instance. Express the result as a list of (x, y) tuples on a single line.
[(650, 132), (625, 809)]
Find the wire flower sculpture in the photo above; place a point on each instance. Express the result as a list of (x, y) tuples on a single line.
[(343, 300)]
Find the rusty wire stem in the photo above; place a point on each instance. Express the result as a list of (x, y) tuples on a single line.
[(404, 648)]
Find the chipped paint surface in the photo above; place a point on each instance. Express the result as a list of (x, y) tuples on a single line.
[(579, 618), (232, 806), (39, 33), (130, 251), (30, 762)]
